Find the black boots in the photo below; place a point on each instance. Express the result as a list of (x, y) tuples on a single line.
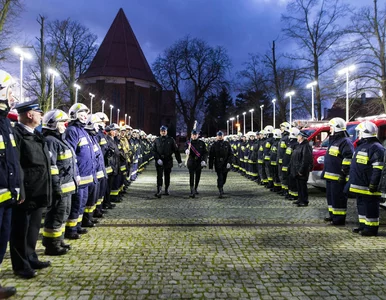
[(221, 190), (6, 292), (192, 192), (159, 191), (166, 193), (54, 247)]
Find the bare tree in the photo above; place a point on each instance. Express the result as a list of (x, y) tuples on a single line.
[(313, 25), (193, 70)]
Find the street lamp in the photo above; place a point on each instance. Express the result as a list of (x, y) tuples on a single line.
[(22, 56), (227, 127), (54, 74), (103, 106), (262, 108), (274, 114), (125, 118), (129, 120), (251, 111), (77, 87), (290, 94), (92, 97), (311, 85), (232, 119), (111, 114), (237, 124), (244, 113), (118, 110), (341, 72)]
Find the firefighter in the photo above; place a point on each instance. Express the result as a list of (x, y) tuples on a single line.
[(196, 150), (283, 143), (273, 160), (288, 182), (220, 156), (268, 130), (112, 160), (337, 161), (10, 170), (163, 149), (81, 143), (64, 175), (260, 159), (365, 174)]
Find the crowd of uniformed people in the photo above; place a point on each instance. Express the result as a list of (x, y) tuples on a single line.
[(77, 167)]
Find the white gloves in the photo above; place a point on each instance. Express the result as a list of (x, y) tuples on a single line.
[(160, 162), (187, 151), (228, 165), (203, 164), (180, 165)]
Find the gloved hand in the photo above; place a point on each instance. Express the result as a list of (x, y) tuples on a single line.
[(228, 165), (187, 151), (373, 188), (180, 164), (160, 162), (203, 164)]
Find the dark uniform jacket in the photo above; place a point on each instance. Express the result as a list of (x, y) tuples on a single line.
[(283, 143), (301, 161), (197, 153), (35, 164), (9, 164), (291, 145), (273, 152), (63, 163), (112, 160), (220, 155), (163, 148)]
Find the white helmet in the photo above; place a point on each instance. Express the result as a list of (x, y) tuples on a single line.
[(293, 133), (51, 119), (77, 108), (338, 124), (102, 116), (6, 84), (367, 129), (268, 129), (286, 126), (92, 122), (277, 134), (114, 126)]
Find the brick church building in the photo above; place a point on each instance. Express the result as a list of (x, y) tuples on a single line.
[(121, 75)]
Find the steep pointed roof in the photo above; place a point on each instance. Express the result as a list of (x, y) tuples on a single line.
[(120, 54)]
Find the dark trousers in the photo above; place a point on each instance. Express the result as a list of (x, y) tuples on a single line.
[(24, 236), (194, 176), (161, 172), (221, 178), (5, 229), (109, 183), (262, 174), (336, 201), (368, 212), (302, 190), (93, 192), (292, 186)]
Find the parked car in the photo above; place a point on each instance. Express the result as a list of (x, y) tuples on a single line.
[(319, 152)]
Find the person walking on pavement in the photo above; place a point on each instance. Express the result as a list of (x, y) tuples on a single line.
[(163, 149), (337, 161), (9, 171), (196, 150), (220, 156), (300, 167), (35, 191)]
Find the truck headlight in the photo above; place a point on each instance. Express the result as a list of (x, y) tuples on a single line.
[(320, 160)]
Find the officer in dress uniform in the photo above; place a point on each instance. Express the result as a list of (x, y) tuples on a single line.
[(163, 149), (337, 161), (35, 191), (196, 149), (220, 156), (365, 174), (63, 173), (9, 171)]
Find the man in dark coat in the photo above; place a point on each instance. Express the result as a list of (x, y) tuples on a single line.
[(163, 149), (220, 155), (300, 167), (35, 191)]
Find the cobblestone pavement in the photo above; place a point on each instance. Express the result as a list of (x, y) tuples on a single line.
[(250, 245)]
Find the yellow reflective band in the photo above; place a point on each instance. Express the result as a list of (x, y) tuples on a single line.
[(80, 218), (68, 187), (280, 161), (86, 180), (12, 140), (285, 169), (54, 170), (100, 174), (103, 141), (2, 144), (65, 155), (54, 234), (339, 212), (123, 168), (288, 151), (5, 195), (114, 193), (109, 170), (95, 148), (364, 192), (89, 209), (372, 223), (83, 141), (71, 223), (283, 145), (346, 162), (261, 148), (334, 151), (260, 161), (331, 176), (273, 163), (267, 145), (378, 167)]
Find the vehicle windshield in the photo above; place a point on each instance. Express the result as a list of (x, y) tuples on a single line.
[(351, 131)]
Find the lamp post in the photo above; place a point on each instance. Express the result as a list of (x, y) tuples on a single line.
[(77, 87), (103, 106), (341, 72), (125, 118), (111, 114), (237, 124), (54, 74), (232, 119), (244, 113), (129, 120), (274, 114), (22, 56), (290, 94), (92, 97), (251, 111), (118, 110), (261, 109), (227, 127), (311, 85)]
